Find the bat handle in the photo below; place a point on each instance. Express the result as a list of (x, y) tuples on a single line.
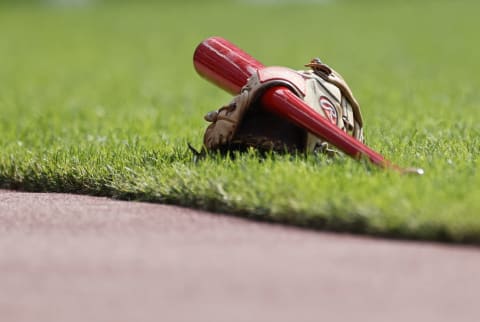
[(216, 54), (282, 101)]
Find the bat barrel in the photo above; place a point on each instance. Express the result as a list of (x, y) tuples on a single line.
[(224, 64)]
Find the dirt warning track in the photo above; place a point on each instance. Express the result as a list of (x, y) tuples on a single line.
[(78, 258)]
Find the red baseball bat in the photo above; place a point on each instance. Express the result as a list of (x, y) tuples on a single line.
[(229, 67)]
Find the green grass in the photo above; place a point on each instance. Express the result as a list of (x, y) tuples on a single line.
[(102, 100)]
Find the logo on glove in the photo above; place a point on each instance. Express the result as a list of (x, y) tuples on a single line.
[(329, 109)]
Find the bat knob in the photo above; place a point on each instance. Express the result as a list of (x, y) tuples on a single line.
[(413, 171)]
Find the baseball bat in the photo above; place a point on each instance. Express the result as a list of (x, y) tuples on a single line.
[(227, 66)]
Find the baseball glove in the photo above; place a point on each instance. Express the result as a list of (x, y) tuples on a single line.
[(243, 123)]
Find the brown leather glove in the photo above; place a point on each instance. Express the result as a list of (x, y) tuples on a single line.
[(244, 123)]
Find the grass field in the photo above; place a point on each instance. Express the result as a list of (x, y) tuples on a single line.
[(102, 99)]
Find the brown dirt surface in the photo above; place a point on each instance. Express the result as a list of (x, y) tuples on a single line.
[(78, 258)]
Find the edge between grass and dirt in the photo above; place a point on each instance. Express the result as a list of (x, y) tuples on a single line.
[(216, 196)]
